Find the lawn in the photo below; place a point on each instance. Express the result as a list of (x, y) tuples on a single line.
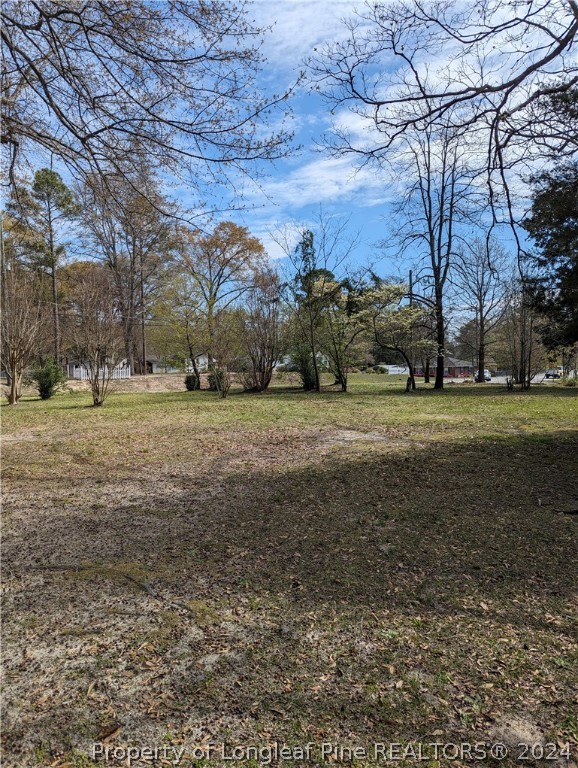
[(183, 573)]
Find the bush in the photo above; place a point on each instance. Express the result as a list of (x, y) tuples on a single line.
[(217, 380), (570, 382), (303, 362), (192, 382), (47, 378)]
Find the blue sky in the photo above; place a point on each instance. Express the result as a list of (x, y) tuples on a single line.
[(297, 187)]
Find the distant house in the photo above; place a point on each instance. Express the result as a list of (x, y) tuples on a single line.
[(453, 368)]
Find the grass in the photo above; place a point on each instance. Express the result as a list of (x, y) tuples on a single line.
[(375, 566)]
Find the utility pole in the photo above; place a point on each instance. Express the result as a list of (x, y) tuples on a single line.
[(142, 315)]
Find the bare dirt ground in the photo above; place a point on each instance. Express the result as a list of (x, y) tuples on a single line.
[(185, 573)]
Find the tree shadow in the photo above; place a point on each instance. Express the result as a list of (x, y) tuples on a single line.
[(332, 598)]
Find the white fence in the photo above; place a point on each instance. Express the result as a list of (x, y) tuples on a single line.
[(80, 372)]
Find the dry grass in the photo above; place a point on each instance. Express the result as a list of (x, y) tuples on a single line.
[(289, 567)]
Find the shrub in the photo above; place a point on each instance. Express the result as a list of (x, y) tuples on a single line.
[(217, 380), (192, 382), (570, 382), (47, 378), (303, 362)]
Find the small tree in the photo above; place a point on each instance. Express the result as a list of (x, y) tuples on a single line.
[(47, 377), (261, 330), (314, 261), (482, 273), (22, 314), (221, 267), (346, 322), (94, 327), (394, 325)]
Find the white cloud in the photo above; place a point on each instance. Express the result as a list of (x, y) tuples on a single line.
[(300, 26), (325, 180)]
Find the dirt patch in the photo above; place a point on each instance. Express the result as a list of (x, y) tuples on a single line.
[(349, 436), (156, 382)]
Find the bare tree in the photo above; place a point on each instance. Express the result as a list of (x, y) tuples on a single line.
[(86, 81), (483, 275), (501, 69), (517, 341), (126, 226), (439, 196), (94, 325), (261, 322), (22, 316)]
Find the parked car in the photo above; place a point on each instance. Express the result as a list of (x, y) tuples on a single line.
[(487, 375), (553, 374)]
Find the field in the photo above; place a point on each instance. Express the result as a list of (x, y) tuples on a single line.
[(183, 573)]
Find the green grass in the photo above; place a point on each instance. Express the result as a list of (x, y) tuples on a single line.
[(360, 567)]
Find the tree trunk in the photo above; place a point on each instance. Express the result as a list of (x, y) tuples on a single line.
[(440, 338), (142, 317), (54, 285), (411, 378), (481, 345), (481, 362), (55, 313), (196, 372), (315, 364), (426, 371), (14, 394)]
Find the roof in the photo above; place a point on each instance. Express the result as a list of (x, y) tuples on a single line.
[(454, 362)]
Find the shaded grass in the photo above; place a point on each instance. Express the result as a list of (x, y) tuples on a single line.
[(405, 578)]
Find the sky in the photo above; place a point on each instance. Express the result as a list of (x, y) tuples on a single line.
[(309, 181)]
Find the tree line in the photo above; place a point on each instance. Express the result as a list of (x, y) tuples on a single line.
[(100, 280), (123, 97)]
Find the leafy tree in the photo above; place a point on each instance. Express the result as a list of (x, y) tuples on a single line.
[(394, 324), (221, 267), (311, 286), (346, 324), (311, 294), (553, 225)]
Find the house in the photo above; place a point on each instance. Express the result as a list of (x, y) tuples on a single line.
[(453, 368)]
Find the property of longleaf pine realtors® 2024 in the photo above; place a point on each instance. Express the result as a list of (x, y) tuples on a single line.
[(330, 752)]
